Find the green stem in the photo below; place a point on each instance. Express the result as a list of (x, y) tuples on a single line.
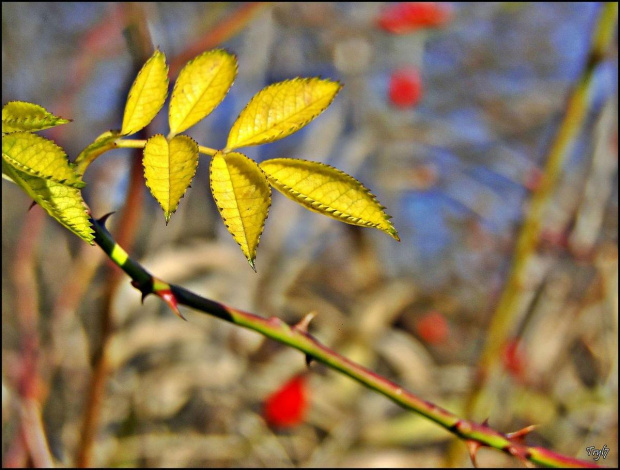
[(206, 150), (110, 141), (297, 337), (130, 143)]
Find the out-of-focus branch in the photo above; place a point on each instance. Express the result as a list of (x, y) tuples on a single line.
[(30, 441), (140, 45), (505, 317), (225, 29)]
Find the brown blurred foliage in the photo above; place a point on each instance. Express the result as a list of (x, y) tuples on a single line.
[(191, 393)]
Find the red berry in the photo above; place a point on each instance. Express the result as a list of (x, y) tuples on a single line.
[(432, 328), (287, 406), (405, 87), (403, 18)]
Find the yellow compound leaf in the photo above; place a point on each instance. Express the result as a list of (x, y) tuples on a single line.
[(202, 85), (243, 196), (169, 167), (328, 191), (147, 94), (40, 157), (64, 203), (22, 116), (281, 109)]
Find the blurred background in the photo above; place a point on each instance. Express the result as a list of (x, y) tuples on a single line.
[(449, 114)]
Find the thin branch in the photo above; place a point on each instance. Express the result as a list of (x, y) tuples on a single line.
[(28, 382), (140, 44), (131, 144), (224, 30), (207, 150), (34, 434), (505, 315), (297, 337)]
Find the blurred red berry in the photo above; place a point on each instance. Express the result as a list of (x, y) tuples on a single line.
[(286, 407), (514, 360), (405, 87), (406, 17), (432, 328)]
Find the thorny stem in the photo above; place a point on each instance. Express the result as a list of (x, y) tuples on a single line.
[(297, 337)]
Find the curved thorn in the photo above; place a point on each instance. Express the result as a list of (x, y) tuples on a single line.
[(303, 324), (104, 218)]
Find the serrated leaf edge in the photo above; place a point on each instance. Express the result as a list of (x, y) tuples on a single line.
[(53, 211), (32, 172), (174, 90), (289, 131), (320, 207), (78, 183), (11, 121), (250, 260), (168, 215), (132, 91)]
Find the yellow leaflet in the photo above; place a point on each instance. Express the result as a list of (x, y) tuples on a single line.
[(147, 94), (328, 191), (102, 144), (281, 109), (169, 168), (40, 157), (62, 202), (22, 116), (243, 196), (202, 85)]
